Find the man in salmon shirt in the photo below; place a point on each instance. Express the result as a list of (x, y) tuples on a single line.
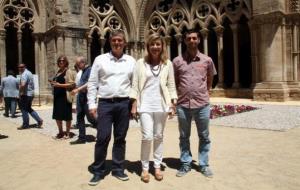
[(194, 73)]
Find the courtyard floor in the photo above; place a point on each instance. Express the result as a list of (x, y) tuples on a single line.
[(254, 150)]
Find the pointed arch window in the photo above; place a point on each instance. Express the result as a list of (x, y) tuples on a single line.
[(18, 13)]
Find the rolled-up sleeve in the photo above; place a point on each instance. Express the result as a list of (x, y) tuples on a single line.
[(92, 85)]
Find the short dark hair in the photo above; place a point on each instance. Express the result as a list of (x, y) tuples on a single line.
[(117, 32), (189, 31), (10, 72), (21, 65)]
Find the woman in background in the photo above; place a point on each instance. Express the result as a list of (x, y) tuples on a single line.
[(63, 81)]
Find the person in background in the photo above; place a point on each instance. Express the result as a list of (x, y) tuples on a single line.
[(110, 82), (194, 73), (10, 91), (82, 109), (26, 92), (63, 81), (153, 90)]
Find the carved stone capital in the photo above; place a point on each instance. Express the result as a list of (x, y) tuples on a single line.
[(204, 32), (234, 27), (168, 40), (219, 30), (2, 34), (178, 38), (19, 35)]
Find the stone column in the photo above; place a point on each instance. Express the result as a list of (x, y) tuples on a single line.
[(102, 43), (142, 49), (219, 30), (234, 28), (2, 54), (255, 67), (129, 48), (19, 38), (204, 33), (60, 43), (36, 54), (295, 51), (271, 58), (135, 49), (179, 41), (168, 41), (89, 42), (43, 64)]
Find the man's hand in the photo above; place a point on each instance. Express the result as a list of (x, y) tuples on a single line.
[(93, 112), (172, 111), (75, 91)]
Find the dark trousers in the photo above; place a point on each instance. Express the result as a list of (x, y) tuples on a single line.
[(82, 111), (111, 113), (10, 105), (26, 109)]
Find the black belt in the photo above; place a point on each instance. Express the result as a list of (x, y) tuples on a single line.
[(115, 99)]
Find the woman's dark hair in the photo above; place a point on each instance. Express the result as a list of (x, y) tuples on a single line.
[(63, 57)]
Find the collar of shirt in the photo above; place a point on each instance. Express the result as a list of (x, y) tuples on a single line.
[(112, 57), (191, 59)]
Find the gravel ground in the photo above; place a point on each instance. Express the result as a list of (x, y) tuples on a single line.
[(268, 117)]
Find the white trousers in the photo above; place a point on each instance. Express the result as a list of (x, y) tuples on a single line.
[(153, 124)]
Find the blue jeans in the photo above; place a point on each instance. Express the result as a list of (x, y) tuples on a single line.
[(201, 117), (10, 105), (25, 106)]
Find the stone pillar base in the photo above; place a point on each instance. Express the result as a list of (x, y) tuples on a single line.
[(231, 93), (294, 90), (45, 97), (271, 91)]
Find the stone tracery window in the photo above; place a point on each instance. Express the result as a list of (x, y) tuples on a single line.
[(114, 23), (164, 5), (18, 13), (102, 6), (155, 23), (103, 16), (294, 6), (177, 16), (203, 10)]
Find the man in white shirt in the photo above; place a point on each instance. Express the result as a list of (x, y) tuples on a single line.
[(110, 82)]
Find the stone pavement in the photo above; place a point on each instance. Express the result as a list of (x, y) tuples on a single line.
[(241, 158)]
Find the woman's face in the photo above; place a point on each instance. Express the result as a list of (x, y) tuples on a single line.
[(155, 48), (61, 63)]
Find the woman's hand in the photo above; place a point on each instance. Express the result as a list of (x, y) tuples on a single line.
[(172, 111), (55, 84), (134, 113)]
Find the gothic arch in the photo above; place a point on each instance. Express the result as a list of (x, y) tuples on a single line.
[(38, 9), (124, 11)]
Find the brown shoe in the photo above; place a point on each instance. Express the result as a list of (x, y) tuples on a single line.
[(158, 175), (145, 177)]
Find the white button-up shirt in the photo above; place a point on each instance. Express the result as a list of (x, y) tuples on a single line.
[(110, 78)]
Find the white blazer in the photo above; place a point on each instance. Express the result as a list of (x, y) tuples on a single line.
[(167, 81)]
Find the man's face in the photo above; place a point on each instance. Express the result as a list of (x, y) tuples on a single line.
[(117, 44), (80, 64), (21, 68), (192, 40)]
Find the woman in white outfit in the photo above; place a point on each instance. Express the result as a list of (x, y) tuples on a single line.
[(154, 92)]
